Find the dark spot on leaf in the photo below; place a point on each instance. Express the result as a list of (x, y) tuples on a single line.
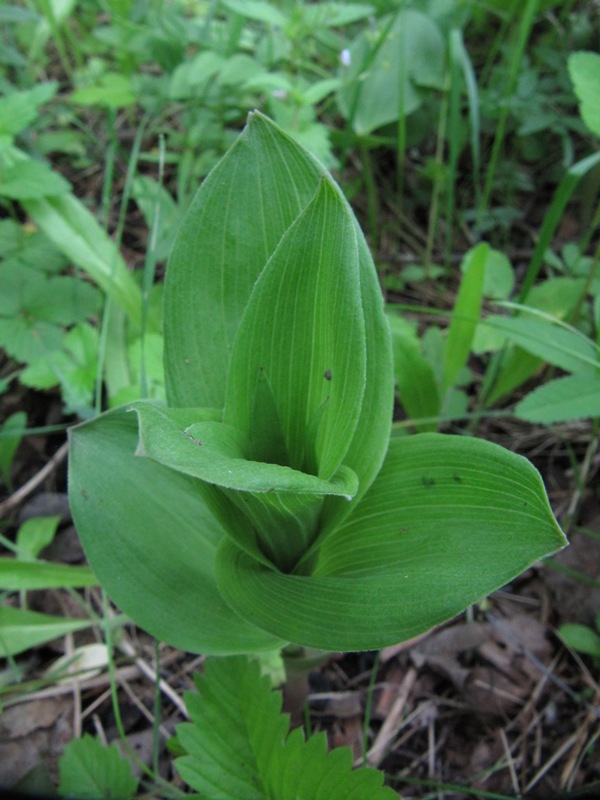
[(195, 441), (327, 375), (457, 478), (404, 530), (84, 494), (428, 482)]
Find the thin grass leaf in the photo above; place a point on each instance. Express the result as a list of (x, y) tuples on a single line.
[(22, 630)]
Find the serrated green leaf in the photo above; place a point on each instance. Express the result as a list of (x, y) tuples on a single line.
[(447, 521), (22, 630), (77, 234), (18, 110), (31, 180), (150, 539), (562, 400), (90, 770), (238, 746)]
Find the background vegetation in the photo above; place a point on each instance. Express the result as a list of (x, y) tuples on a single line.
[(462, 132)]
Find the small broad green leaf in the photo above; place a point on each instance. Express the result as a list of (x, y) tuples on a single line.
[(150, 539), (238, 747), (388, 67), (562, 400), (580, 638), (448, 520), (35, 534), (111, 90), (18, 575), (467, 309), (499, 278), (257, 10), (22, 630), (90, 770), (584, 71)]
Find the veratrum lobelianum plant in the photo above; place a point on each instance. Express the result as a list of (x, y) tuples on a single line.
[(266, 502)]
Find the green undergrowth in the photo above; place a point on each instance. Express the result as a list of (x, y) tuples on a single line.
[(466, 137)]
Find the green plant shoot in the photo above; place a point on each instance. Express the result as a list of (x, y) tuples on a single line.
[(266, 502)]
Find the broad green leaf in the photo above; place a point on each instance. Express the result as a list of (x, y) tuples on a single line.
[(584, 71), (564, 348), (232, 228), (18, 575), (90, 770), (562, 400), (388, 66), (35, 534), (236, 720), (447, 521), (308, 296), (467, 309), (150, 539), (580, 638), (22, 630)]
